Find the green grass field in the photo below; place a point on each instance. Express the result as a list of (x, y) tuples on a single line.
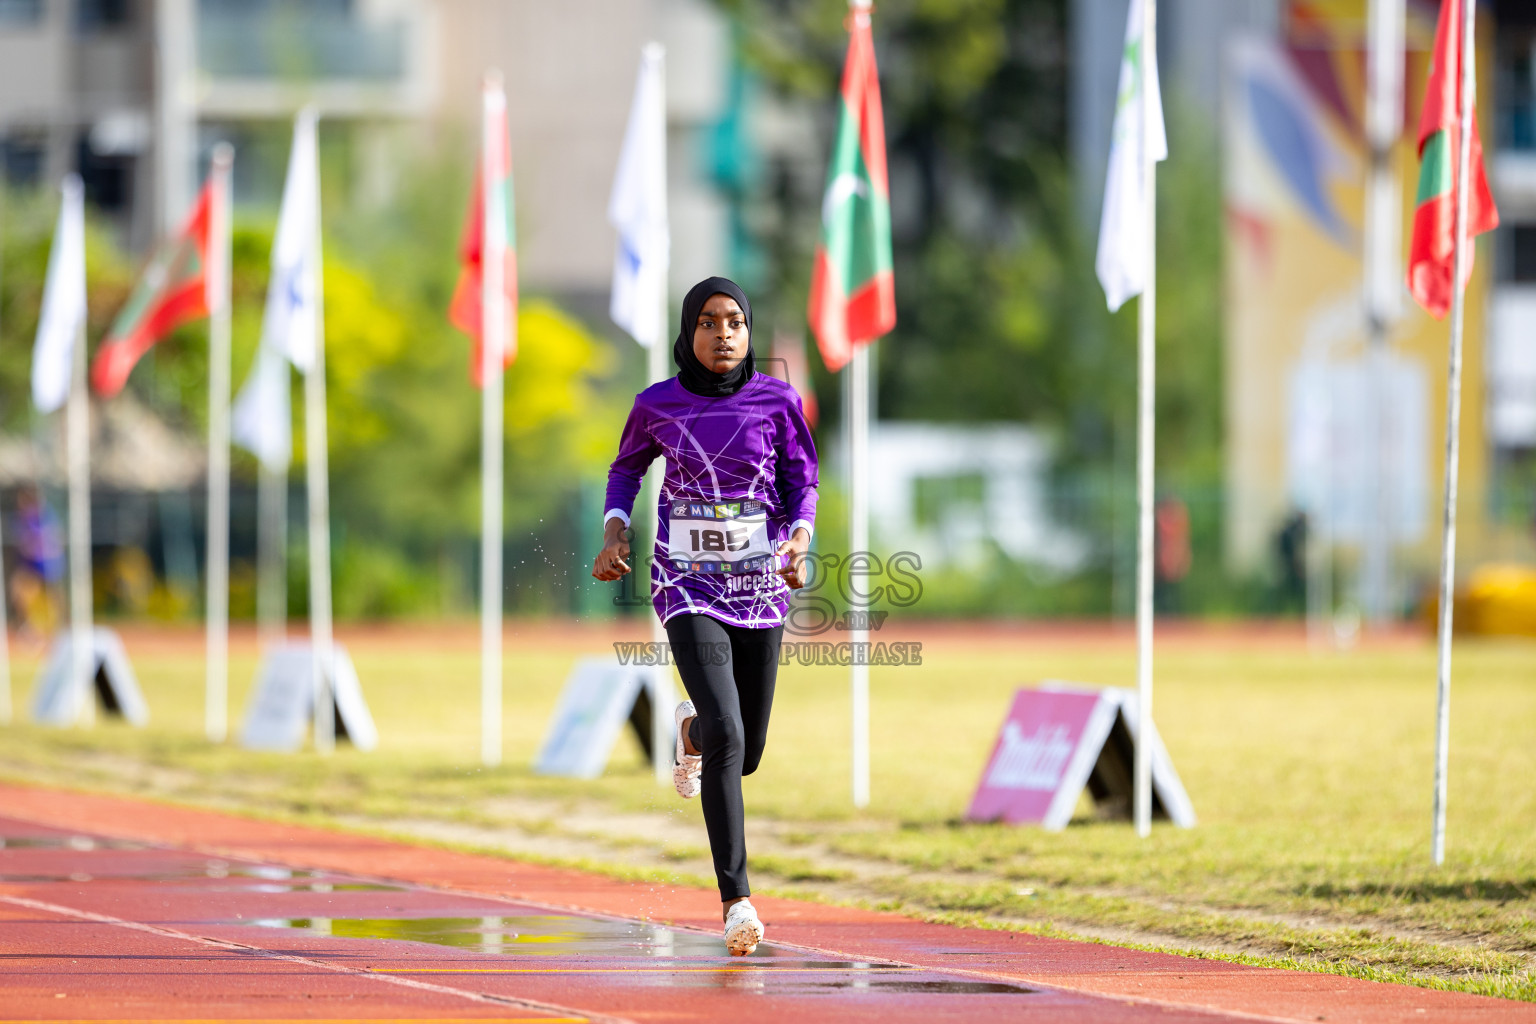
[(1311, 774)]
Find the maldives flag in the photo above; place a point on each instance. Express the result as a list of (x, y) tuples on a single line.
[(853, 292), (173, 290), (468, 297), (1433, 251)]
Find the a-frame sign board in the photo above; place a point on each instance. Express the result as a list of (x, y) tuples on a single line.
[(1058, 740), (112, 682), (282, 704), (599, 697)]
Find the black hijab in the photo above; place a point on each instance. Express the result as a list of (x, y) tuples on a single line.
[(691, 373)]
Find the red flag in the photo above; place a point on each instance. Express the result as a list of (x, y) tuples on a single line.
[(853, 292), (465, 310), (1432, 253), (172, 290)]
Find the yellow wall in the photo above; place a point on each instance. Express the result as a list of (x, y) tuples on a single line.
[(1286, 275)]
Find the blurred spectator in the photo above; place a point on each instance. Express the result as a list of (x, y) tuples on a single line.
[(1291, 547), (40, 564), (1171, 556)]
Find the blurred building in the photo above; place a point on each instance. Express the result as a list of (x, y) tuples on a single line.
[(76, 93), (1317, 422), (133, 94), (961, 494), (1511, 412)]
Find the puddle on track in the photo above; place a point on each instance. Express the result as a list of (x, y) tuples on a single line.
[(773, 982), (648, 955), (656, 955), (517, 935)]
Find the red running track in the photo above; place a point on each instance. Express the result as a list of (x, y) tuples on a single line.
[(123, 910)]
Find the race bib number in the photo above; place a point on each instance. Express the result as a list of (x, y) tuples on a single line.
[(730, 536)]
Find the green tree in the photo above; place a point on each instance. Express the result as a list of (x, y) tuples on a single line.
[(403, 416), (999, 314)]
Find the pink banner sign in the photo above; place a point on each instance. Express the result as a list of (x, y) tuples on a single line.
[(1034, 751), (1058, 740)]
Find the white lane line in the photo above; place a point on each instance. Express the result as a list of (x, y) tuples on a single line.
[(237, 947)]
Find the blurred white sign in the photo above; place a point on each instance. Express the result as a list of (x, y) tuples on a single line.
[(56, 702), (599, 698), (280, 707)]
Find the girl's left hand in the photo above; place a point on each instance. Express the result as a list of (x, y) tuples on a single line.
[(795, 548)]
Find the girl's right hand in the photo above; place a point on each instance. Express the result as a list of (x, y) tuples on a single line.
[(612, 562)]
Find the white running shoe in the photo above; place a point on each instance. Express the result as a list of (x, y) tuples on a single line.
[(685, 773), (743, 930)]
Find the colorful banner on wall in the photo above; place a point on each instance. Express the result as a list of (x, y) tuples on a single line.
[(1301, 395)]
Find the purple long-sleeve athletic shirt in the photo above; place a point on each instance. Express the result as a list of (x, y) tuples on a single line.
[(741, 476)]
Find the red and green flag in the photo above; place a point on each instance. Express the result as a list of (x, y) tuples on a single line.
[(172, 290), (465, 312), (1433, 250), (853, 291)]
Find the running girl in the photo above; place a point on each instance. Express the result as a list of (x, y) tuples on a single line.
[(737, 508)]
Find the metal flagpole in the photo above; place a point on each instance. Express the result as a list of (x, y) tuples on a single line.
[(1384, 121), (493, 343), (5, 619), (658, 366), (217, 701), (857, 417), (856, 420), (661, 723), (316, 451), (81, 627), (272, 549), (5, 653), (1146, 347), (1453, 423)]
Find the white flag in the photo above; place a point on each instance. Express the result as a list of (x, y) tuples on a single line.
[(63, 303), (638, 209), (1123, 243), (260, 421), (289, 324)]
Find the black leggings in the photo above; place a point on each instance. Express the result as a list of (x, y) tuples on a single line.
[(729, 673)]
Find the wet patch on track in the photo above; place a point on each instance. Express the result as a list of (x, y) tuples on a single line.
[(484, 947), (161, 931), (522, 935), (633, 954)]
